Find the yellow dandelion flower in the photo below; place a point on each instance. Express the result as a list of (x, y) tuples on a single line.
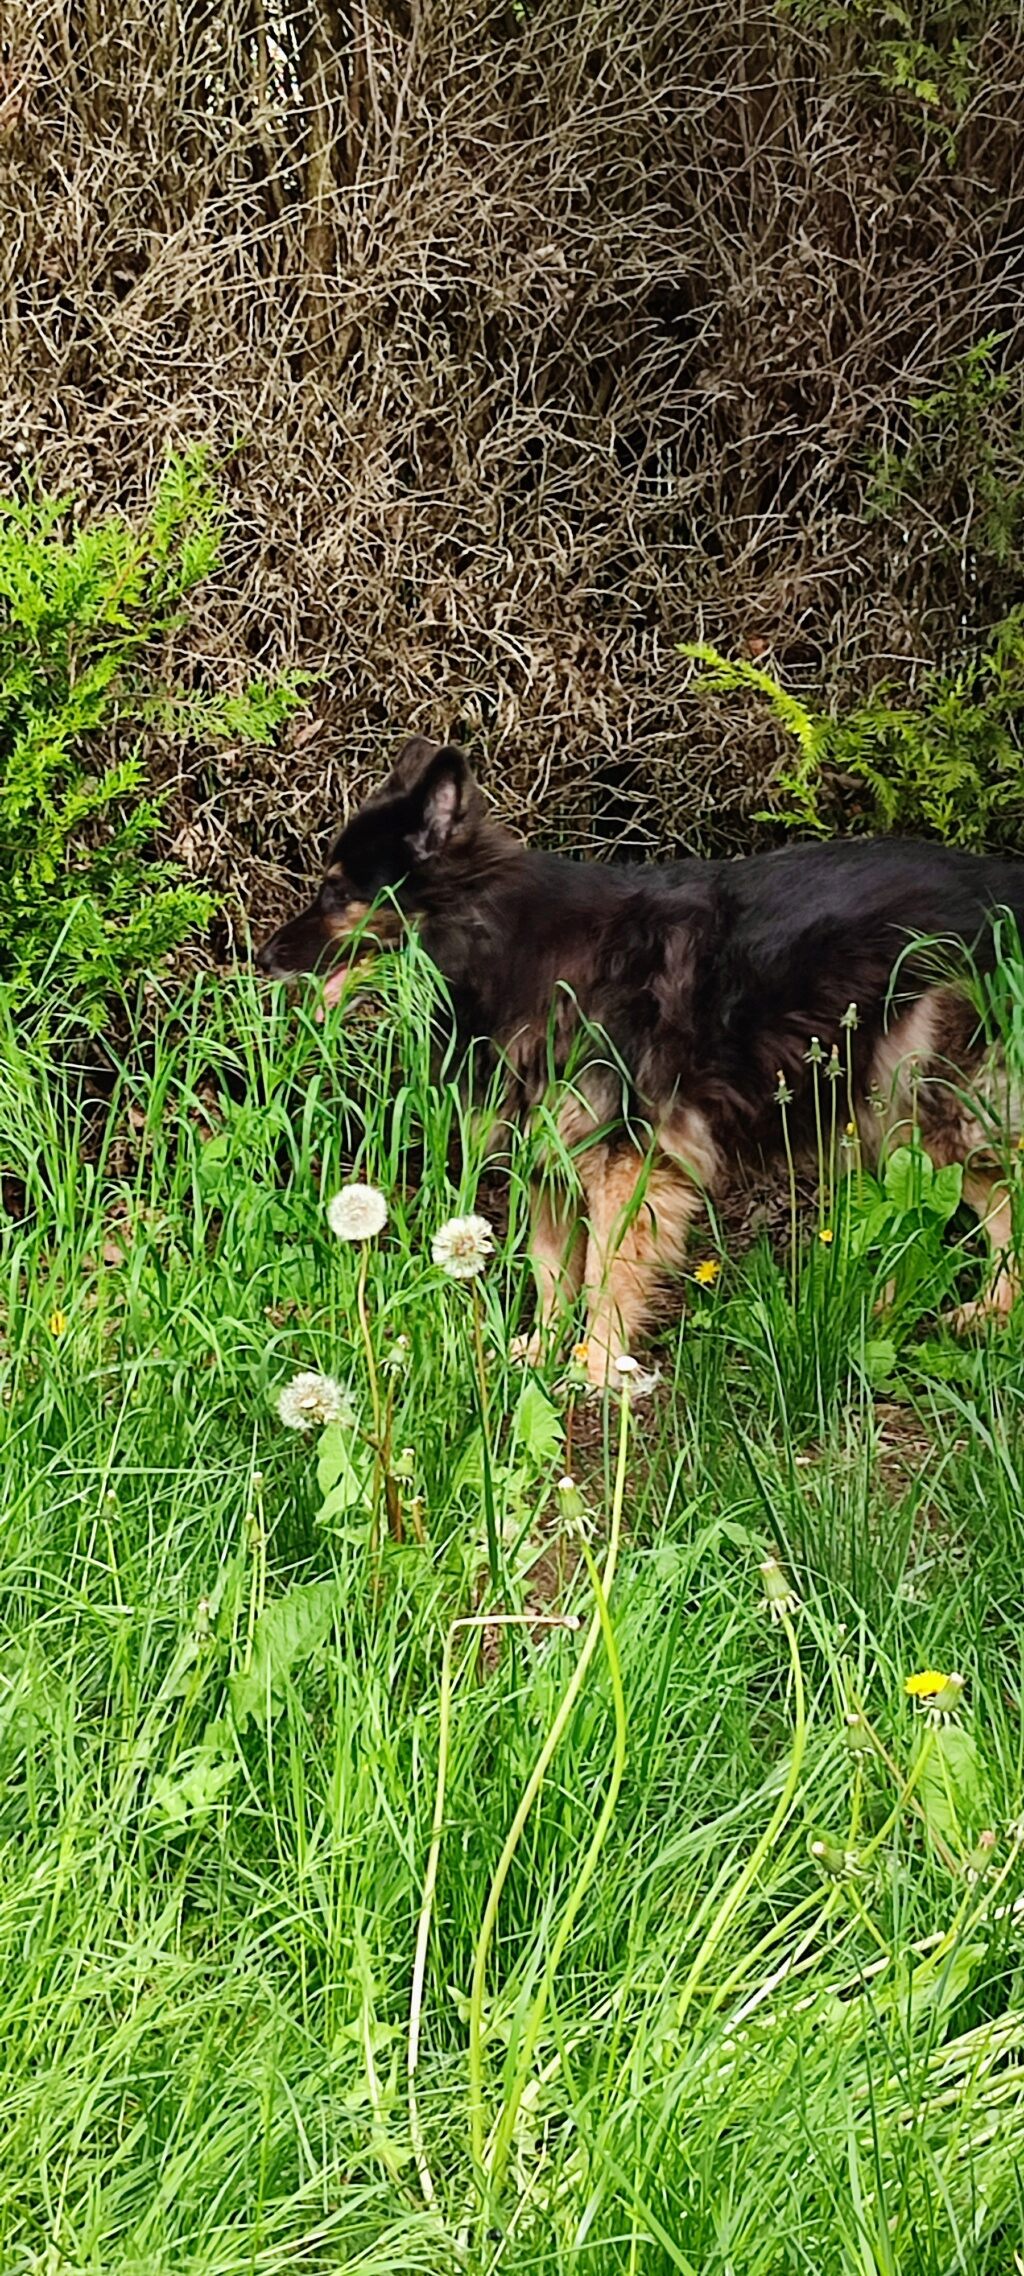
[(580, 1354), (851, 1130), (927, 1684), (58, 1323), (706, 1273), (826, 1236)]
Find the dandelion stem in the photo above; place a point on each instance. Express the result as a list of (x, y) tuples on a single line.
[(791, 1173), (379, 1461), (480, 1357)]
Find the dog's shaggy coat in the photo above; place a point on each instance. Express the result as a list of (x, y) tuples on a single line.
[(677, 999)]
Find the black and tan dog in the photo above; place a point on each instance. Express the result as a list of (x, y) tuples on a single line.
[(678, 996)]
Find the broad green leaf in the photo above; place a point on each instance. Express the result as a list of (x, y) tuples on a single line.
[(908, 1178), (189, 1798), (287, 1633), (536, 1426), (878, 1359), (950, 1788), (947, 1188)]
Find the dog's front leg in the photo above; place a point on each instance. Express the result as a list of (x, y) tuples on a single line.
[(557, 1254), (639, 1214)]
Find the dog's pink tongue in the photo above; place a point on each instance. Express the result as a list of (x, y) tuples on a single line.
[(333, 986)]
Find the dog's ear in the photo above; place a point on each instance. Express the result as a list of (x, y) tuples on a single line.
[(412, 761), (443, 801)]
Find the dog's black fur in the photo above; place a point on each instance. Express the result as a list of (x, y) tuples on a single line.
[(709, 980)]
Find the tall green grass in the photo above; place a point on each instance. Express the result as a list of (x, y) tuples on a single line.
[(748, 2000)]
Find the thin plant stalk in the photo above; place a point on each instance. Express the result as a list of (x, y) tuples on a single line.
[(506, 2123), (527, 1799), (494, 1561), (468, 1623), (783, 1096)]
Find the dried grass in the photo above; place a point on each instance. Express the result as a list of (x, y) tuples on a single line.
[(548, 337)]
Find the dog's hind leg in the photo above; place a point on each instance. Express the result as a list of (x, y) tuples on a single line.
[(988, 1194), (639, 1213), (558, 1248)]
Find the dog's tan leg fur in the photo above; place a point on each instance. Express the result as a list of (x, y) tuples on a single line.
[(558, 1248), (632, 1240), (987, 1194)]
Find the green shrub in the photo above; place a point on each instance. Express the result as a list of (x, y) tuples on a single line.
[(87, 616), (948, 764)]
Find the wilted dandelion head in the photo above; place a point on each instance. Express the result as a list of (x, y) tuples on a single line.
[(58, 1323), (638, 1381), (311, 1401), (780, 1595), (357, 1213), (462, 1247)]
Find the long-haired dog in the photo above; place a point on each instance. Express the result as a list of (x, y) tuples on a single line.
[(683, 1001)]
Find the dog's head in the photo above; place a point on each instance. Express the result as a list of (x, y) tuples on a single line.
[(409, 839)]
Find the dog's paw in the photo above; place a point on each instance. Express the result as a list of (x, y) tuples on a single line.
[(975, 1317), (619, 1373)]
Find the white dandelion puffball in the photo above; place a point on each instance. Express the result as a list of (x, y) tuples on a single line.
[(310, 1401), (462, 1247), (357, 1213)]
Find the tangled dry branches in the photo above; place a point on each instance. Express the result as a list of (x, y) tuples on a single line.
[(537, 338)]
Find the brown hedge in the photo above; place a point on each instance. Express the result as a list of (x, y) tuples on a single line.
[(537, 339)]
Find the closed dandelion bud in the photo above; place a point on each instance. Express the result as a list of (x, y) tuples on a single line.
[(202, 1623), (849, 1018), (570, 1501), (783, 1094), (858, 1736), (838, 1863), (982, 1857), (779, 1591), (833, 1070), (815, 1054)]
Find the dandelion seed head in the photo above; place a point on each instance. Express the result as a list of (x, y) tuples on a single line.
[(462, 1247), (357, 1213), (310, 1402)]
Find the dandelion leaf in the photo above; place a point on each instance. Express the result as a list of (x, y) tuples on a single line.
[(287, 1634), (536, 1427), (950, 1788)]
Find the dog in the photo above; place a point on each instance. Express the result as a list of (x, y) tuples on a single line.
[(684, 1009)]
